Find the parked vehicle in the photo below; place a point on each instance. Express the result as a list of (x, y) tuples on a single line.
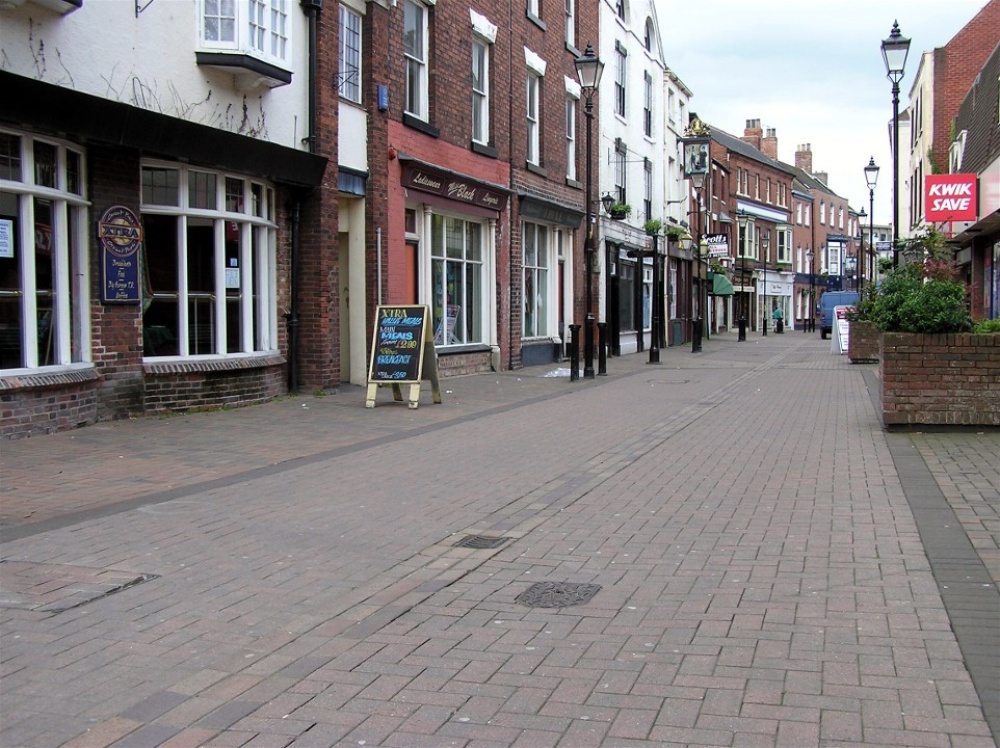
[(827, 302)]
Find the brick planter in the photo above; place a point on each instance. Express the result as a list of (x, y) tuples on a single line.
[(943, 380), (863, 343)]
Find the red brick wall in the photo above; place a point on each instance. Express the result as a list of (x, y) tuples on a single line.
[(116, 329), (46, 404), (956, 66), (178, 387), (940, 379)]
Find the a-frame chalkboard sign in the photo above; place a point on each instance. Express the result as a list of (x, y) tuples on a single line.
[(402, 353)]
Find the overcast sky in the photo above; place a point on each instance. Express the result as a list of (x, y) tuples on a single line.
[(812, 71)]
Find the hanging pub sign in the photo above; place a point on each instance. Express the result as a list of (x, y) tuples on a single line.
[(718, 245), (119, 233), (950, 197)]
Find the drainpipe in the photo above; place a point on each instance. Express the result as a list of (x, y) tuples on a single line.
[(311, 8)]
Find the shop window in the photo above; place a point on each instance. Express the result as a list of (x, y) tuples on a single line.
[(457, 281), (43, 270), (210, 280), (536, 280)]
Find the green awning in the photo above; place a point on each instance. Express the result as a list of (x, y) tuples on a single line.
[(721, 285)]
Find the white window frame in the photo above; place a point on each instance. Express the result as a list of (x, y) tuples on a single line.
[(254, 216), (484, 307), (351, 23), (783, 237), (541, 277), (647, 108), (571, 151), (69, 322), (621, 81), (569, 28), (257, 28), (417, 103), (533, 85), (480, 95)]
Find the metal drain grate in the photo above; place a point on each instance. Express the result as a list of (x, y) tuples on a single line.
[(481, 541), (557, 594)]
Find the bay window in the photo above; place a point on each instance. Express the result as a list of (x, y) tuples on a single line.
[(210, 259)]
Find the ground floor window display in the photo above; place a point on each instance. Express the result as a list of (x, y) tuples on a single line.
[(537, 292), (43, 269), (210, 259), (457, 279)]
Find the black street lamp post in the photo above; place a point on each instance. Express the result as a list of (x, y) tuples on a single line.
[(860, 253), (589, 68), (765, 241), (741, 219), (812, 291), (894, 51), (871, 177)]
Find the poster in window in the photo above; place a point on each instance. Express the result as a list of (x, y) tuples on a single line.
[(6, 238)]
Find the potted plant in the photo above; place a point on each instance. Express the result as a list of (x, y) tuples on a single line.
[(618, 211), (653, 226)]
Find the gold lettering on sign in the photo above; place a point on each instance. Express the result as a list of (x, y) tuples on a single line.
[(426, 181), (461, 191)]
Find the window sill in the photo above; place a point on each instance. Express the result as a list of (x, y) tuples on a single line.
[(62, 7), (484, 150), (422, 125), (464, 348), (250, 72), (187, 365), (574, 183), (535, 169), (52, 376), (536, 20)]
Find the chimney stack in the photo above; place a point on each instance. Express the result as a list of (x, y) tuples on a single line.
[(769, 146), (753, 134), (823, 177), (804, 158)]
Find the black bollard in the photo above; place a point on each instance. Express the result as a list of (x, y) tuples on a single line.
[(574, 353), (742, 323), (602, 354), (696, 335)]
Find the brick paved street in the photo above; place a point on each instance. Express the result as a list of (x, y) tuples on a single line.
[(773, 568)]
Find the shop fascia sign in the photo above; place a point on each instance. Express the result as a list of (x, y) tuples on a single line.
[(950, 197), (453, 187)]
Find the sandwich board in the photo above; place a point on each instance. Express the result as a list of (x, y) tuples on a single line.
[(402, 352)]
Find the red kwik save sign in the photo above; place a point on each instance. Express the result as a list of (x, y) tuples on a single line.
[(950, 197)]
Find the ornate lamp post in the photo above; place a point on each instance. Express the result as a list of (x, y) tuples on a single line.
[(894, 51), (860, 254), (871, 177), (765, 242), (741, 219), (697, 162), (588, 69), (812, 291)]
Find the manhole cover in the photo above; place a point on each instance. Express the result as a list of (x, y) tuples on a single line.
[(556, 594), (53, 588), (481, 541)]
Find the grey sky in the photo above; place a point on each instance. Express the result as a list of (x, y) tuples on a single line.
[(812, 71)]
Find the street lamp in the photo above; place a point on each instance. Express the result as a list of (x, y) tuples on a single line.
[(894, 51), (862, 218), (765, 241), (588, 69), (812, 291), (871, 177), (741, 219)]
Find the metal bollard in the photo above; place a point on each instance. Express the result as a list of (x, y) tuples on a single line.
[(602, 354), (742, 323), (696, 335), (574, 353)]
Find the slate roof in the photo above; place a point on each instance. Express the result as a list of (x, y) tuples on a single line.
[(978, 118)]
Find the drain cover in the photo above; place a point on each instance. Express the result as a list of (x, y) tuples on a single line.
[(481, 541), (556, 594)]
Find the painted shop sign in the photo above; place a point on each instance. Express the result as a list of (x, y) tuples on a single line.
[(950, 197), (119, 233), (453, 187)]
